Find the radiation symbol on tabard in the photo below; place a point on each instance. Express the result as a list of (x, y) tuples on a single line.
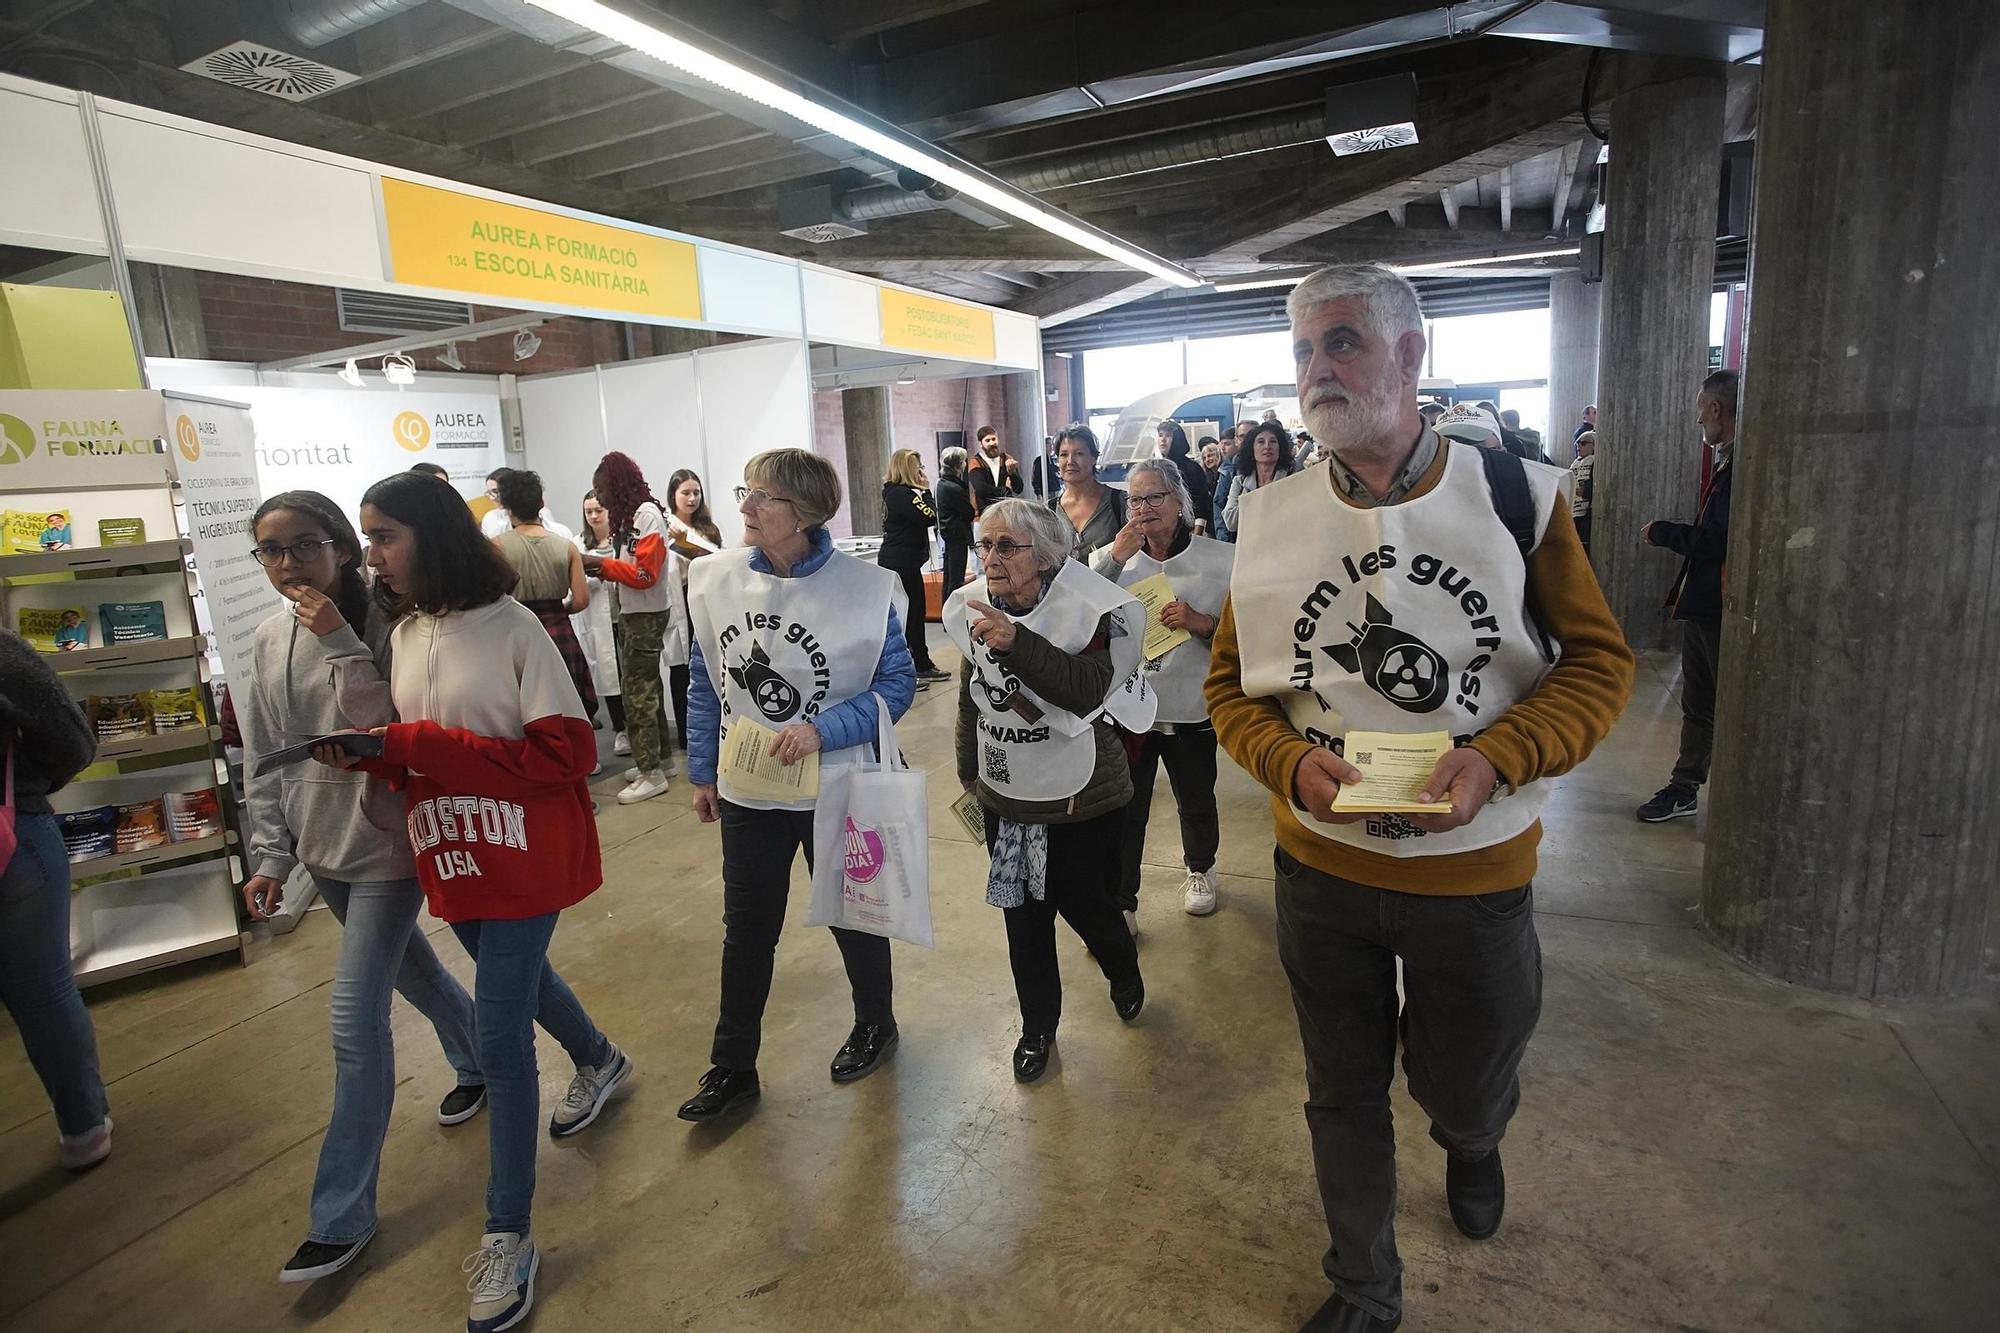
[(1400, 667), (774, 696)]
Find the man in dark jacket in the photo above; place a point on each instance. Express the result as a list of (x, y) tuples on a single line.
[(1696, 598), (993, 474)]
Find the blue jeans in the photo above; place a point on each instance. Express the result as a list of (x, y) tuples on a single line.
[(36, 980), (380, 947), (513, 989)]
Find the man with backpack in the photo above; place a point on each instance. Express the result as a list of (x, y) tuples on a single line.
[(1353, 608)]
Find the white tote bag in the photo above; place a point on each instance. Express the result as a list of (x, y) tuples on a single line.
[(871, 845)]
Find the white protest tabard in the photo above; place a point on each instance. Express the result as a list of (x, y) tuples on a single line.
[(214, 451)]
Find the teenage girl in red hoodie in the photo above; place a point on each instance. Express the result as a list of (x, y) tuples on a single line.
[(493, 750)]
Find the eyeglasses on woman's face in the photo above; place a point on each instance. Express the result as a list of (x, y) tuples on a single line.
[(1150, 501), (756, 497), (303, 551), (1005, 547)]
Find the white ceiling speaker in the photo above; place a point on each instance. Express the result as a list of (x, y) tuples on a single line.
[(1372, 115), (351, 373), (450, 357), (263, 69), (526, 344)]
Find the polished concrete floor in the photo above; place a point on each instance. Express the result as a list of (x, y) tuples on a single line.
[(1698, 1148)]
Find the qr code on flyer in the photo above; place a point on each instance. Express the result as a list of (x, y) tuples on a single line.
[(996, 765), (1365, 757)]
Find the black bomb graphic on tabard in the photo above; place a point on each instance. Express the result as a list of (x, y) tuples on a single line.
[(1001, 687), (774, 695), (785, 659), (1397, 665)]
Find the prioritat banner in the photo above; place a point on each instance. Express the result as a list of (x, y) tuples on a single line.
[(342, 441), (213, 449)]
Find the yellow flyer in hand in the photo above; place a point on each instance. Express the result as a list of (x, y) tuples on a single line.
[(752, 770), (1153, 594), (1394, 769)]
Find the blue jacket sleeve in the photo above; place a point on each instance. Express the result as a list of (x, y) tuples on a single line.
[(704, 739), (852, 721)]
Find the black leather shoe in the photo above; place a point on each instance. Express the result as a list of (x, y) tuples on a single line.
[(1129, 1000), (1031, 1057), (866, 1047), (1477, 1193), (721, 1089), (1337, 1316)]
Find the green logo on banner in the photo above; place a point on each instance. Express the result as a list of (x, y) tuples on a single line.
[(17, 439)]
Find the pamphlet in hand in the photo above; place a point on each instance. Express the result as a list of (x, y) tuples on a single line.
[(1394, 769), (1154, 593), (755, 772), (360, 744)]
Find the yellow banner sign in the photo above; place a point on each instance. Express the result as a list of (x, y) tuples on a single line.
[(929, 324), (463, 243)]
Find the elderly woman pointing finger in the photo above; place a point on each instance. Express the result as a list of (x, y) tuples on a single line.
[(1047, 644)]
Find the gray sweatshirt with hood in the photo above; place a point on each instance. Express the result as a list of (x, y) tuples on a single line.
[(342, 825)]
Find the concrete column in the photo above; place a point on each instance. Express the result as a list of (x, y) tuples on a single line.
[(1025, 410), (1853, 844), (865, 418), (1574, 307), (1659, 264)]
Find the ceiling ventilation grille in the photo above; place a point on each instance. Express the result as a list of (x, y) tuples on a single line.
[(384, 312), (261, 69), (819, 233), (1373, 140)]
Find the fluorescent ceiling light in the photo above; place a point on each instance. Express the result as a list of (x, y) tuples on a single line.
[(725, 74), (1484, 259), (1250, 284)]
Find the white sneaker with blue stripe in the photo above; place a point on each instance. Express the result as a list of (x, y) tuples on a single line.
[(502, 1282)]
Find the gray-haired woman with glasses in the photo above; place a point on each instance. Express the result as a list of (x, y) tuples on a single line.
[(1160, 541), (1047, 643)]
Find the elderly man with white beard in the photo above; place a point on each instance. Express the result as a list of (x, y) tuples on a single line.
[(1413, 585)]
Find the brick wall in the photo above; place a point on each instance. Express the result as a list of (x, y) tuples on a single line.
[(1061, 410), (919, 411), (258, 319), (830, 442)]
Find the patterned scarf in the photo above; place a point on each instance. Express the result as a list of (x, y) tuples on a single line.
[(1020, 864)]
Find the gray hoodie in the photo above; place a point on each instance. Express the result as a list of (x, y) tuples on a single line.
[(343, 825)]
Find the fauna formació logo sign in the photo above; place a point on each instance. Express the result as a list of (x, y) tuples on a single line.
[(17, 439), (412, 431)]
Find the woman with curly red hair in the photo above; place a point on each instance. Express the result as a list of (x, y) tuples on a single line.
[(646, 609)]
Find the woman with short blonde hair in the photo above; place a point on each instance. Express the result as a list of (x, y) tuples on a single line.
[(803, 641), (905, 469)]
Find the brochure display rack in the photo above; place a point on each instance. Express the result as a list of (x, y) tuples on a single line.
[(105, 586)]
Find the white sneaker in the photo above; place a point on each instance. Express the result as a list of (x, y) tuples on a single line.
[(503, 1281), (587, 1093), (1198, 892), (82, 1151), (597, 768), (644, 788), (1132, 923), (632, 774), (621, 744)]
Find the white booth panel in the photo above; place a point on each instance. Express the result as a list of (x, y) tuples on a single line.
[(562, 430), (651, 412), (181, 196), (754, 396), (51, 201), (841, 308), (1015, 342), (749, 291)]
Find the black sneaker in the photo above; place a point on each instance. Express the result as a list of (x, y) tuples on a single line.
[(721, 1090), (315, 1260), (933, 673), (1672, 801), (462, 1103)]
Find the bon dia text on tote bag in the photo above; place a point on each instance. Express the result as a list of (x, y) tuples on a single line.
[(871, 845)]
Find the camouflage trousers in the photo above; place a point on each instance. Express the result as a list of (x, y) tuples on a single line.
[(639, 674)]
